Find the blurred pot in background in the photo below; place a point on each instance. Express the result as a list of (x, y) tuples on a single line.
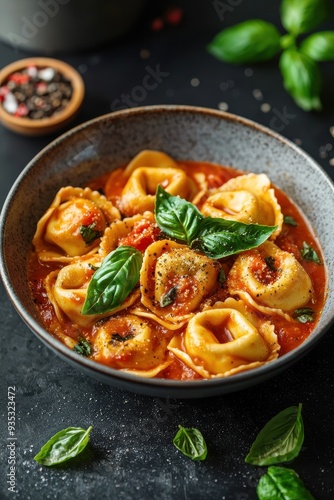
[(49, 26)]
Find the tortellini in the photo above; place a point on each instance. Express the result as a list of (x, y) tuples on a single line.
[(174, 312), (246, 198), (138, 194), (270, 279), (73, 225), (67, 290), (132, 343), (224, 340), (174, 279)]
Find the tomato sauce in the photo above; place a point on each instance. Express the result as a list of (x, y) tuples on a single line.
[(290, 333)]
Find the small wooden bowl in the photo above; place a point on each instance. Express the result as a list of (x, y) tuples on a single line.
[(44, 126)]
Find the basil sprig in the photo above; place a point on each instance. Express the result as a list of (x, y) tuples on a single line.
[(301, 78), (301, 16), (281, 483), (251, 41), (217, 238), (64, 445), (319, 46), (191, 443), (113, 281), (280, 440), (256, 40)]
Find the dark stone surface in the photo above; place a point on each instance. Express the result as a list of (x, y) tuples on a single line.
[(131, 455)]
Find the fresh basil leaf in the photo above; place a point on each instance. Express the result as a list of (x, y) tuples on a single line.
[(83, 347), (89, 234), (191, 443), (281, 483), (169, 298), (219, 238), (304, 315), (301, 16), (64, 445), (113, 281), (319, 46), (176, 217), (288, 219), (251, 41), (280, 440), (301, 78), (308, 253)]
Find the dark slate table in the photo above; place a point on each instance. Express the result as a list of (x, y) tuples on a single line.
[(131, 455)]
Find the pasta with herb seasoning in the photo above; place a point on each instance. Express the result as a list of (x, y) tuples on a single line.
[(173, 271)]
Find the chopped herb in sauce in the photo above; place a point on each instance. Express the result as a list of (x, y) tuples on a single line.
[(89, 234), (308, 253), (83, 347), (169, 298)]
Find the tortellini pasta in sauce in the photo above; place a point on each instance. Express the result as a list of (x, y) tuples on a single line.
[(224, 340), (131, 343), (246, 198), (270, 279), (174, 279), (73, 225), (189, 316)]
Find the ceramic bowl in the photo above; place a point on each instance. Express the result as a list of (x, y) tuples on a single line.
[(183, 132), (44, 126)]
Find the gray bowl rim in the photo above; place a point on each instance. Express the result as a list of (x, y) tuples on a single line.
[(227, 384)]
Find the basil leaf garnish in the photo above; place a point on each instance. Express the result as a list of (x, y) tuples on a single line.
[(301, 78), (176, 217), (280, 440), (113, 281), (64, 445), (89, 234), (219, 238), (288, 219), (169, 298), (301, 16), (83, 347), (251, 41), (281, 483), (304, 315), (319, 46), (191, 443), (308, 253)]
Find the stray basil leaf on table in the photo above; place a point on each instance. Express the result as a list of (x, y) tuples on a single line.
[(63, 446), (281, 483), (191, 443), (280, 440)]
